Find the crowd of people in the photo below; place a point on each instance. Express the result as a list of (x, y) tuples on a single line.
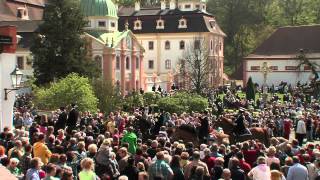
[(69, 145)]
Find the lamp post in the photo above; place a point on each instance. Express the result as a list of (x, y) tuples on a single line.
[(15, 77)]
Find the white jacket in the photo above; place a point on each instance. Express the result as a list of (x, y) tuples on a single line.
[(301, 127)]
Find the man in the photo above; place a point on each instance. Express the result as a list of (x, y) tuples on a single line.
[(123, 162), (236, 171), (297, 171), (33, 172), (160, 169), (62, 119), (301, 131), (261, 171), (195, 162), (131, 138), (72, 118), (41, 150), (111, 125), (204, 127), (240, 127)]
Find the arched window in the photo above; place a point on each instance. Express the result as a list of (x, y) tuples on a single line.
[(137, 63), (137, 25), (182, 23), (160, 24), (98, 61), (118, 62), (167, 45), (211, 45), (168, 64), (127, 63), (182, 45)]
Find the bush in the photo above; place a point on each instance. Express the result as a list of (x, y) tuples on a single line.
[(183, 102), (71, 89), (151, 98)]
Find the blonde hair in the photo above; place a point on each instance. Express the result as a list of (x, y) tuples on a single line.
[(87, 164), (92, 148)]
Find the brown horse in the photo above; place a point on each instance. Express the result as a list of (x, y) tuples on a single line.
[(188, 134), (257, 133)]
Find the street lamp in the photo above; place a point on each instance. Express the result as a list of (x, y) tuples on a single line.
[(15, 77)]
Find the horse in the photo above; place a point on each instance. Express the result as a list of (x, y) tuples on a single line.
[(257, 133), (189, 133)]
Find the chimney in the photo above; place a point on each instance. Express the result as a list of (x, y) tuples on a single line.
[(137, 6), (163, 4), (172, 4)]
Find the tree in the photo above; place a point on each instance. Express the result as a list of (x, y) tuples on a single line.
[(250, 90), (71, 89), (195, 64), (59, 48), (108, 95)]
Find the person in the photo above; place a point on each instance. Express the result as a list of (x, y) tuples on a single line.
[(301, 131), (261, 171), (33, 172), (176, 168), (62, 119), (131, 171), (123, 162), (41, 150), (226, 174), (236, 171), (160, 169), (87, 172), (131, 138), (195, 162), (72, 118), (240, 127), (51, 170), (13, 167), (297, 171), (204, 127)]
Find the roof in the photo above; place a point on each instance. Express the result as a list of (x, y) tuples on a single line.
[(111, 39), (23, 26), (8, 9), (98, 8), (197, 21), (291, 39)]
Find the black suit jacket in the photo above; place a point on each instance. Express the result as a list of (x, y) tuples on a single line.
[(73, 117)]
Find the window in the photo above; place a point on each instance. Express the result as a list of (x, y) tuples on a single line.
[(137, 63), (118, 62), (151, 64), (211, 45), (127, 63), (137, 25), (102, 23), (187, 6), (212, 23), (197, 44), (291, 68), (98, 61), (197, 6), (160, 24), (182, 23), (182, 45), (167, 45), (273, 68), (150, 45), (168, 64), (20, 62), (113, 24), (255, 68)]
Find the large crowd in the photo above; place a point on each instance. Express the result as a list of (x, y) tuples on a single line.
[(67, 144)]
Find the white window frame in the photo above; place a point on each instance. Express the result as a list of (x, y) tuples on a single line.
[(160, 24), (137, 25), (182, 26)]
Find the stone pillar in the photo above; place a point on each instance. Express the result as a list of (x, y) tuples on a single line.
[(142, 83), (133, 71), (123, 72), (109, 66)]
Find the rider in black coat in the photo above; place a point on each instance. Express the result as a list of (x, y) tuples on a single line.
[(72, 118), (62, 119)]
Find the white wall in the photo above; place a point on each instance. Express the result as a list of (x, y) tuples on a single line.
[(275, 77), (7, 65)]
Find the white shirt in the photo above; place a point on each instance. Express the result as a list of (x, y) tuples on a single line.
[(301, 127), (260, 172)]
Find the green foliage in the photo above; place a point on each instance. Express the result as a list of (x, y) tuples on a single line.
[(250, 90), (132, 101), (72, 89), (183, 102), (151, 98), (108, 95), (59, 49)]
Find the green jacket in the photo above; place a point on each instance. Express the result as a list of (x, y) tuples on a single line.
[(130, 138)]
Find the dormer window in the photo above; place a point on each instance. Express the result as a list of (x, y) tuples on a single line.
[(187, 6), (182, 23), (160, 24), (137, 25), (22, 13), (113, 24), (102, 23), (212, 24)]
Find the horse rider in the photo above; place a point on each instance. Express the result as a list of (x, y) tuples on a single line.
[(239, 123)]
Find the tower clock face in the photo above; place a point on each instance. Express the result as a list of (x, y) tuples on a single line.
[(128, 42)]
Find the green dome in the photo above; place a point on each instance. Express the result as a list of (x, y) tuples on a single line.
[(98, 8)]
